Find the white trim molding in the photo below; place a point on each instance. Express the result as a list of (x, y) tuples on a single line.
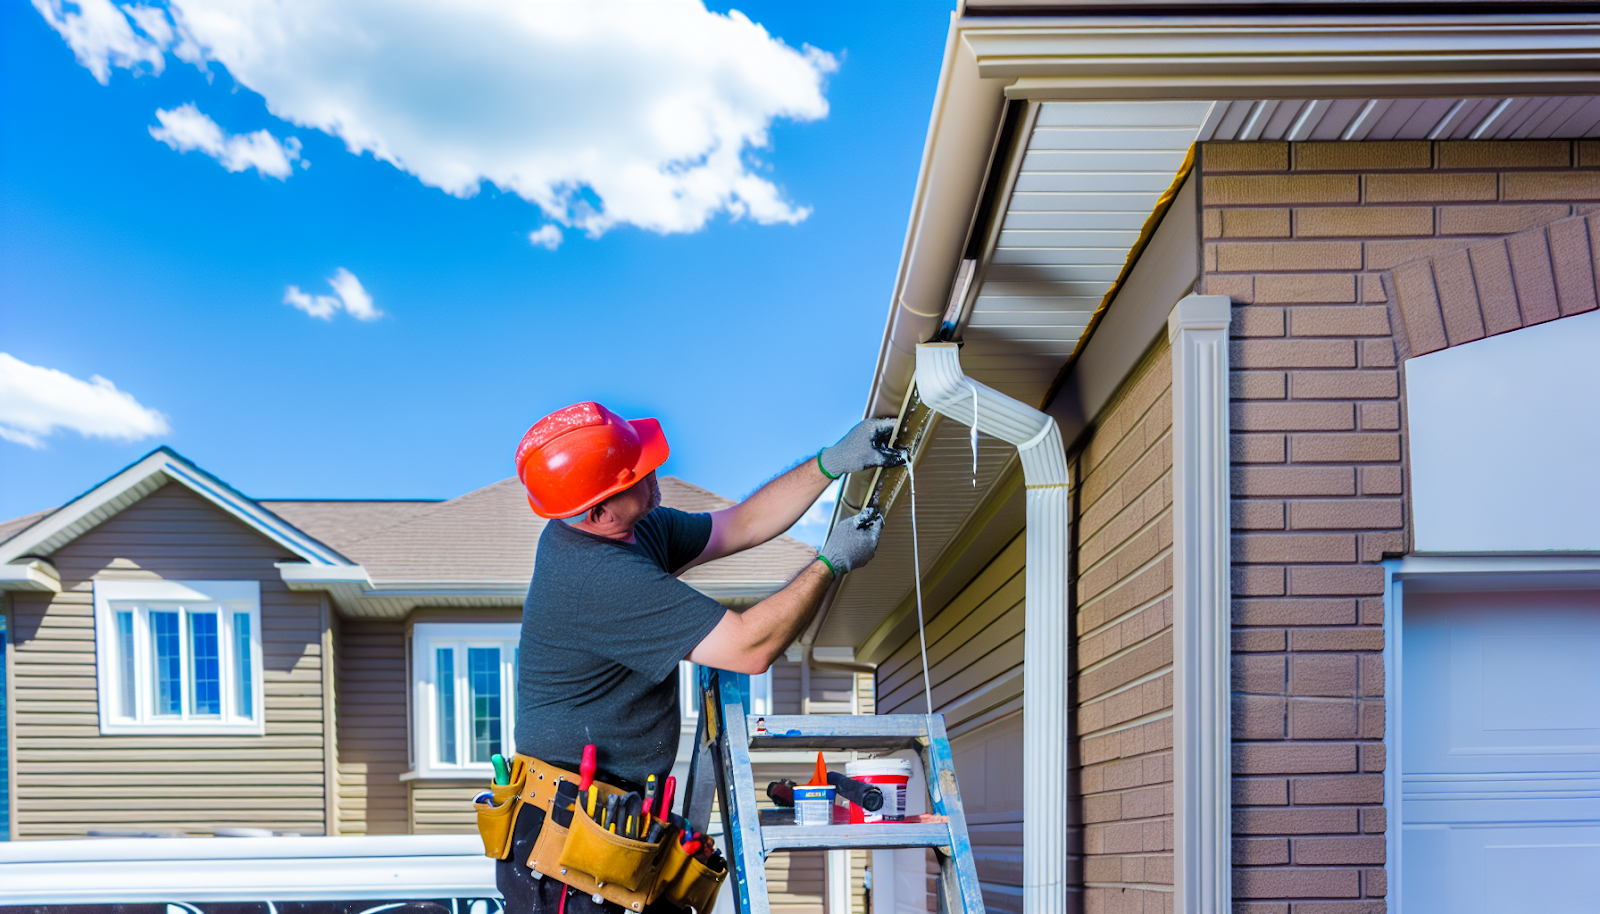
[(1221, 57), (1201, 618), (123, 657), (1047, 621), (457, 638)]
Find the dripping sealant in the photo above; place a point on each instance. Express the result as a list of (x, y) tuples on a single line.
[(916, 567), (974, 436)]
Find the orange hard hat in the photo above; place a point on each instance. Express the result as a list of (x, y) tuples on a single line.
[(577, 457)]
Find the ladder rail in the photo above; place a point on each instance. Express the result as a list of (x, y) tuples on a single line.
[(731, 732)]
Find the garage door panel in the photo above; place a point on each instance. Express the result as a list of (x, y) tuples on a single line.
[(1523, 677), (1500, 752), (1523, 868)]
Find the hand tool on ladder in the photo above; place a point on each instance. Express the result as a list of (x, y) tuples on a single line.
[(721, 763)]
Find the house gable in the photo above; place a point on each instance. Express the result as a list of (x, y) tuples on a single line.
[(167, 783), (151, 472)]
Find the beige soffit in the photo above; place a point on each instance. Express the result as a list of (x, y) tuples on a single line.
[(1093, 171), (1374, 58)]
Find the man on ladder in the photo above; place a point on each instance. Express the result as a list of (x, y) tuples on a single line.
[(606, 621)]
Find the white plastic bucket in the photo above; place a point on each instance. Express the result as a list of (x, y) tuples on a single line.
[(891, 775)]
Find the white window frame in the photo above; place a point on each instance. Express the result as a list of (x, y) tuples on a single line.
[(224, 597), (425, 638), (689, 692)]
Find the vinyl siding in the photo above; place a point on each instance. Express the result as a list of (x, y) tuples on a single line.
[(1122, 630), (190, 784), (975, 665), (372, 728)]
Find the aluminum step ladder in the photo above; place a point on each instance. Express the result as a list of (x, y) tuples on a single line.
[(720, 768)]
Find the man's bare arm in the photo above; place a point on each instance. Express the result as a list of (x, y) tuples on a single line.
[(749, 642), (771, 510), (777, 505)]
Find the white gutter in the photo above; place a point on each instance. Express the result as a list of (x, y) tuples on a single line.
[(949, 392), (35, 575), (154, 870)]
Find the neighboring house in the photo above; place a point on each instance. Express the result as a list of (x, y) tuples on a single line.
[(1337, 272), (183, 659)]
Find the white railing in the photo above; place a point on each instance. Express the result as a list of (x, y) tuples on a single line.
[(129, 870)]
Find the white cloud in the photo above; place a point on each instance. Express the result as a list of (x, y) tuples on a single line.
[(603, 113), (185, 128), (349, 294), (546, 236), (102, 37), (36, 401)]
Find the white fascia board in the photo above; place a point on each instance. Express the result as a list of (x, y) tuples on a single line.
[(38, 576), (144, 476), (139, 870), (306, 576), (1281, 56)]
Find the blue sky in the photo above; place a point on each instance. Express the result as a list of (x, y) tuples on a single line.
[(165, 273)]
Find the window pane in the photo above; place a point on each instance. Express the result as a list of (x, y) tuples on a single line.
[(205, 696), (245, 687), (169, 666), (483, 671), (125, 674), (444, 683)]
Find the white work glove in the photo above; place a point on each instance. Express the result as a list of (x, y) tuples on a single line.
[(852, 542), (865, 446)]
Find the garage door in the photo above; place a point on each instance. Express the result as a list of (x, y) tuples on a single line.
[(1500, 753)]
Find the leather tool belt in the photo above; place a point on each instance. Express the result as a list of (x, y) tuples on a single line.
[(627, 871)]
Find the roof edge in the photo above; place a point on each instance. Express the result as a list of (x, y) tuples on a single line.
[(140, 478)]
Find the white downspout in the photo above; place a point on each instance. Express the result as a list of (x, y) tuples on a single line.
[(949, 392)]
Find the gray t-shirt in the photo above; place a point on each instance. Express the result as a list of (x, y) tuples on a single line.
[(603, 629)]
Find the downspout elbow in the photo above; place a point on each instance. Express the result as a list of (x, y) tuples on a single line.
[(947, 390)]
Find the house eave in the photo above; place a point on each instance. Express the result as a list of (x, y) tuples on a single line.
[(357, 595), (37, 576)]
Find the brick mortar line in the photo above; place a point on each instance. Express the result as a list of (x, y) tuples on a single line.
[(1166, 552), (1125, 542), (1139, 721), (1111, 486), (1105, 626), (1118, 654), (1164, 670)]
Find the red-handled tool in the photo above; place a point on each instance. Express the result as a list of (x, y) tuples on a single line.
[(586, 768), (666, 795)]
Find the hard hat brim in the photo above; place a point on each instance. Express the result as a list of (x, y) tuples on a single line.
[(653, 452)]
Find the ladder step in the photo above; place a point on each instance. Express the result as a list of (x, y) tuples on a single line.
[(877, 836), (883, 733)]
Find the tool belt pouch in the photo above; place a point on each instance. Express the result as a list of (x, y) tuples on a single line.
[(685, 882), (495, 819), (623, 870)]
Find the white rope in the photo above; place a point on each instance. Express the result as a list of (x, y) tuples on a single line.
[(916, 565)]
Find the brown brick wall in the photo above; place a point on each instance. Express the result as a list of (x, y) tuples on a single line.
[(1123, 633), (1309, 239)]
